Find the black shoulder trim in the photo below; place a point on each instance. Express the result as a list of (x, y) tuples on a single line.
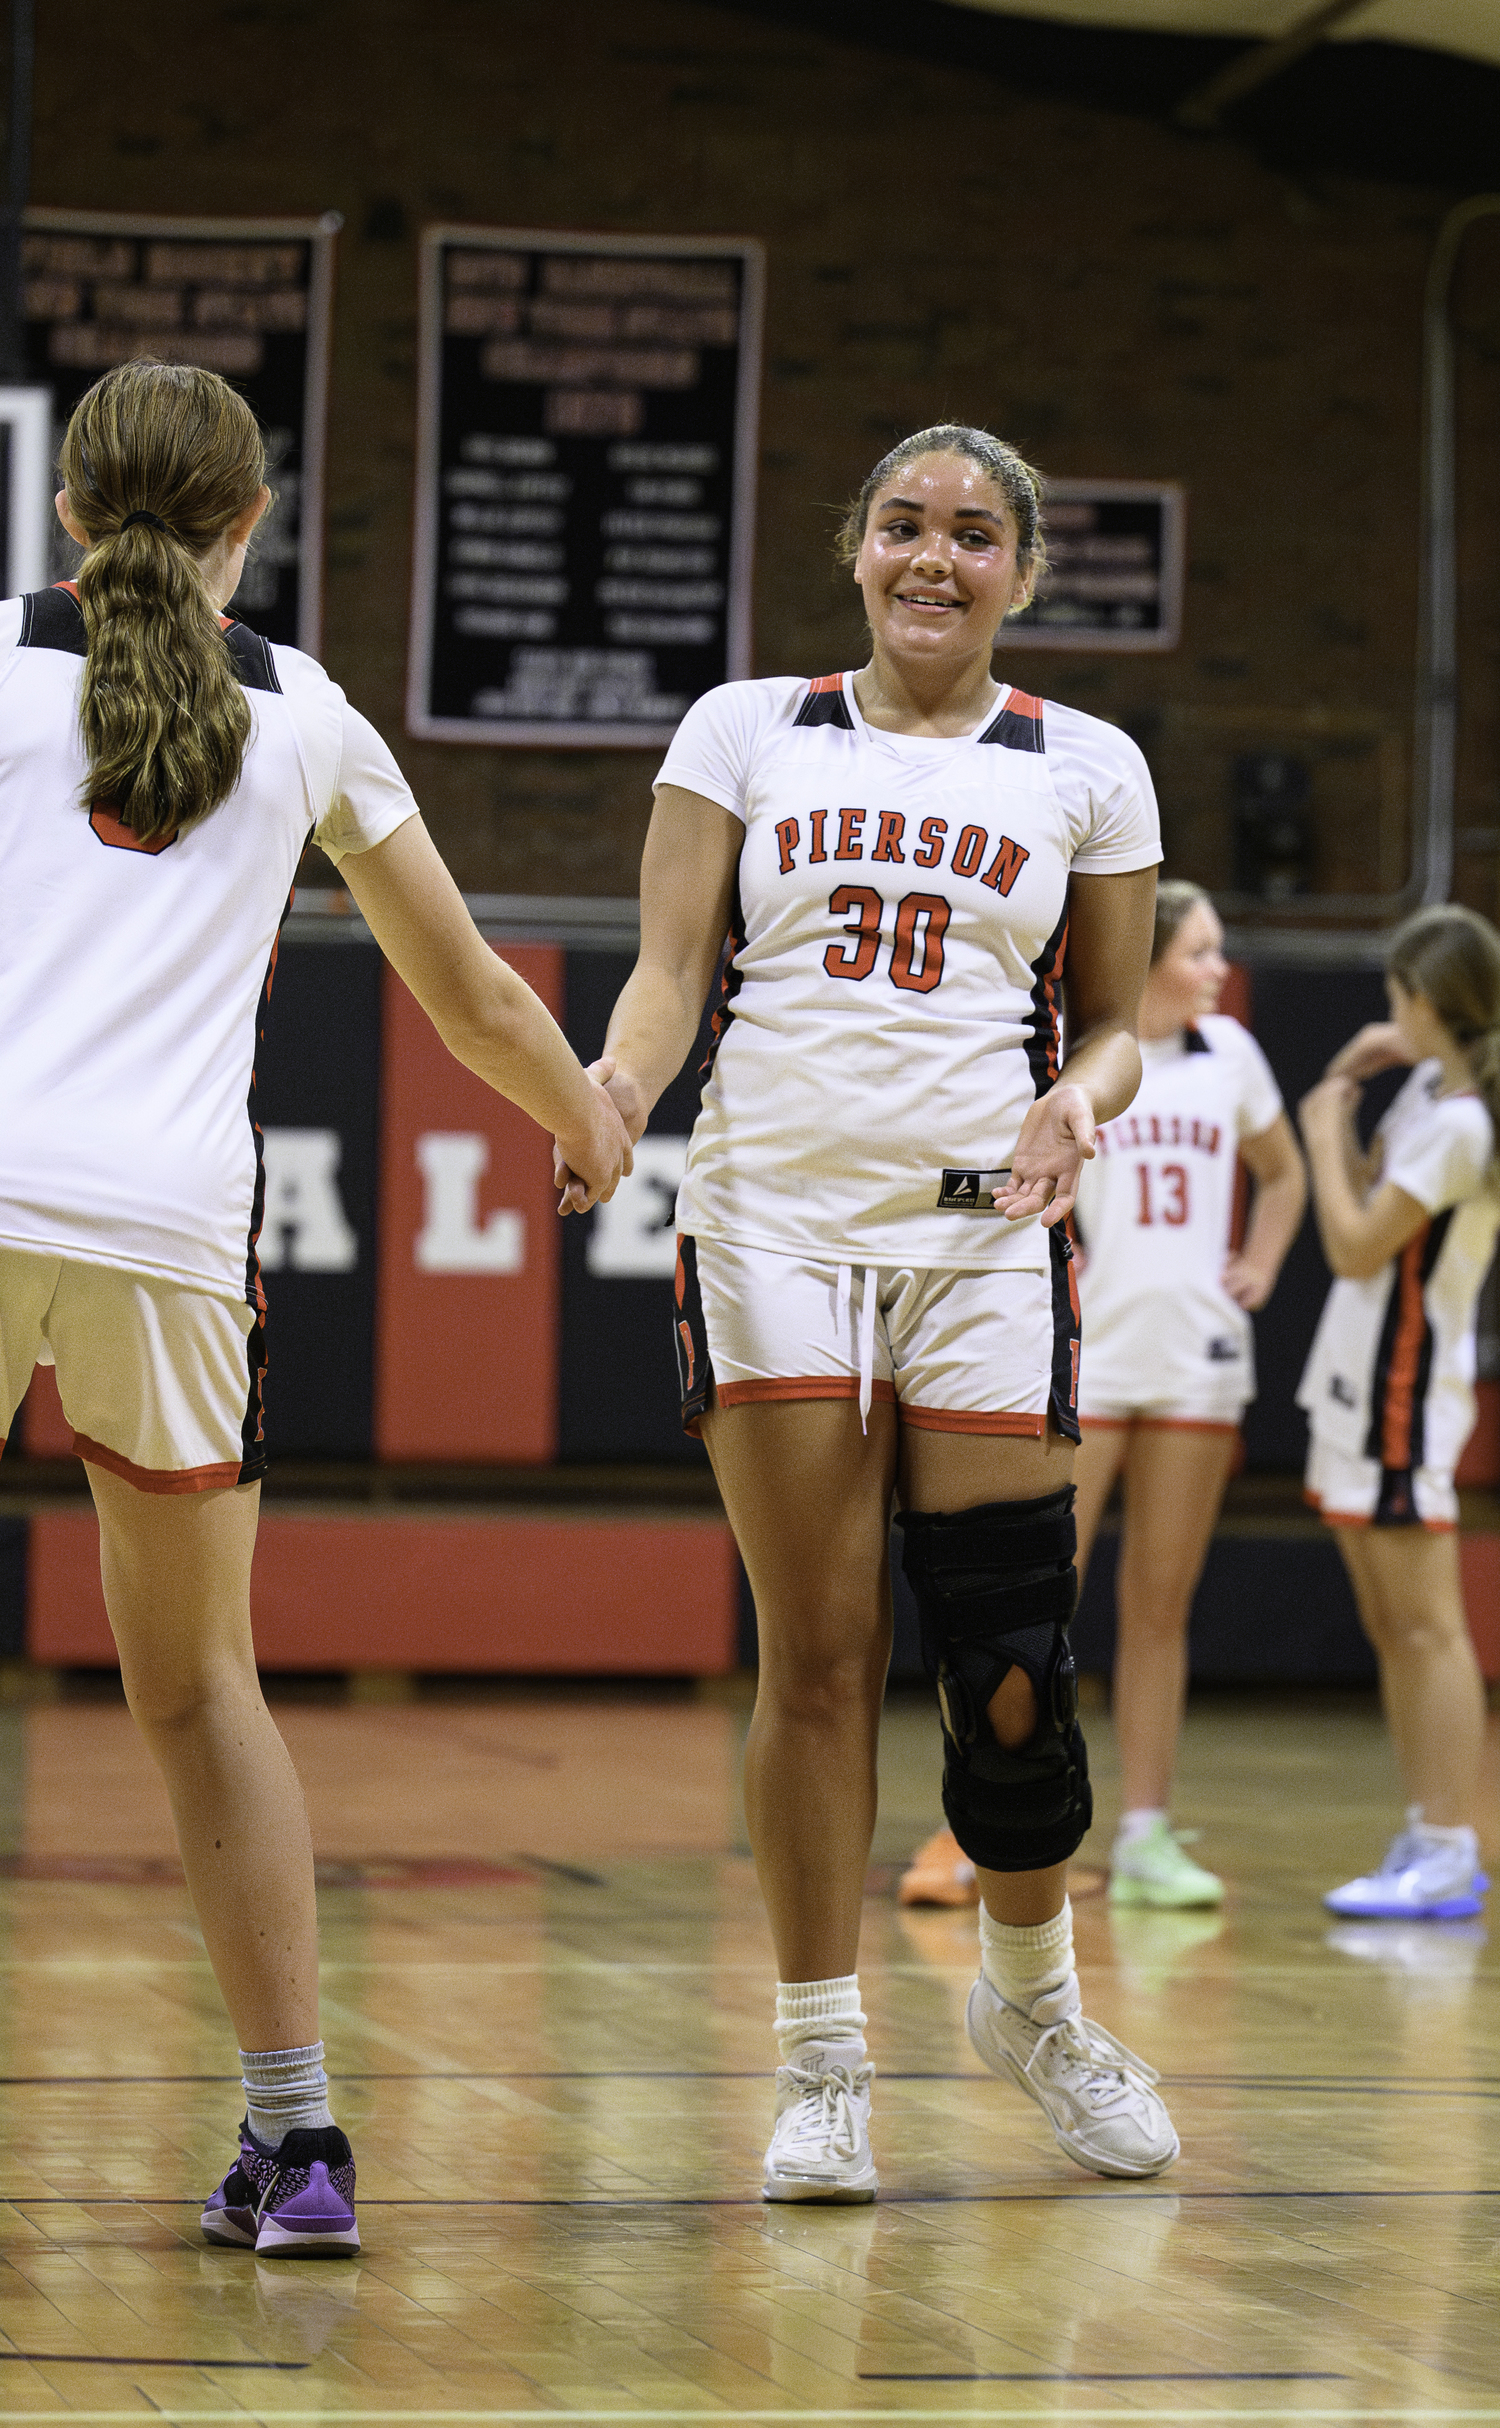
[(253, 662), (53, 619), (1194, 1042), (1018, 725), (825, 704)]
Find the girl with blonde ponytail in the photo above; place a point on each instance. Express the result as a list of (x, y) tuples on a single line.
[(1409, 1230), (162, 769)]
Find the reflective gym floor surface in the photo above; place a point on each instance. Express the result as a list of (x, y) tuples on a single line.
[(547, 1994)]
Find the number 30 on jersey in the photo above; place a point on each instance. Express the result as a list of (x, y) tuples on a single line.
[(916, 963)]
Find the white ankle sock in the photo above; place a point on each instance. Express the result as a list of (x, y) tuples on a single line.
[(1027, 1961), (1461, 1837), (819, 2010), (284, 2089), (1138, 1823)]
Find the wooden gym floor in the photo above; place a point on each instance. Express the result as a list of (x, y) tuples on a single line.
[(548, 1986)]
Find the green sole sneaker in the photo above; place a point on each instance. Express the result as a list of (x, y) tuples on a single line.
[(1156, 1871)]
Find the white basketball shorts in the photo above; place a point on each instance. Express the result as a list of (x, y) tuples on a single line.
[(161, 1383), (966, 1352), (1350, 1491)]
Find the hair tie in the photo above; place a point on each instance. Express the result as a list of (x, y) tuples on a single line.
[(141, 516)]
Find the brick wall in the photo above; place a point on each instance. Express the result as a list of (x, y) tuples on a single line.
[(1119, 298)]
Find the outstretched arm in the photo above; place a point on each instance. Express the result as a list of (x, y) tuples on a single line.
[(486, 1015), (1109, 952), (687, 877)]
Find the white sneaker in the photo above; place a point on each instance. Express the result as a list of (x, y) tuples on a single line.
[(1099, 2099), (820, 2149), (1420, 1879)]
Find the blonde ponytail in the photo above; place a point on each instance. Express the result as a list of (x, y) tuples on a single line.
[(158, 461), (1452, 957)]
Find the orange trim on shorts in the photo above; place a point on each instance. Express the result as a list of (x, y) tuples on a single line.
[(967, 1420), (157, 1479), (1344, 1517), (1181, 1424), (798, 1386)]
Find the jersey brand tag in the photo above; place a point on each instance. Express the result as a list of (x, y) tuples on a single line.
[(970, 1192)]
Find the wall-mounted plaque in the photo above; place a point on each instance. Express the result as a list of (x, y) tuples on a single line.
[(26, 489), (585, 483), (1116, 564), (247, 297)]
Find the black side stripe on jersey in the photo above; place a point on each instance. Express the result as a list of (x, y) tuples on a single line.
[(730, 983), (1403, 1356), (1042, 1023), (1019, 724), (825, 704), (1194, 1042), (53, 619), (255, 1288)]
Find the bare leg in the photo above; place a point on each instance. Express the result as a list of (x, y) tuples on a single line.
[(809, 1498), (1410, 1595), (176, 1571), (1174, 1483), (944, 1472), (1101, 1455)]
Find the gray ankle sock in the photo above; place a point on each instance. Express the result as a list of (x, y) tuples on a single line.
[(285, 2089)]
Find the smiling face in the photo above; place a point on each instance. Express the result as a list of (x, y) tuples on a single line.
[(938, 563)]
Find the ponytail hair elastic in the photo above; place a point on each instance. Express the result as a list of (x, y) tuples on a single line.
[(141, 516)]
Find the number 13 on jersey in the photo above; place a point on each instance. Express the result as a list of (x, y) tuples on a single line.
[(1164, 1195)]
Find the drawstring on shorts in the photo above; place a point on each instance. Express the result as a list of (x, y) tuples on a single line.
[(869, 1295)]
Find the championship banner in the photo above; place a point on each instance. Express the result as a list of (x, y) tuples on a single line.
[(246, 297), (585, 483)]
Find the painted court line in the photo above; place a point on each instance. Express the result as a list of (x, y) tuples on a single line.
[(330, 2416)]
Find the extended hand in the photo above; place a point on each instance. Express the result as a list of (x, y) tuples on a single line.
[(1057, 1139)]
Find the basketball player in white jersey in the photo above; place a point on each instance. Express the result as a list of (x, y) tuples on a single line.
[(1409, 1230), (1168, 1362), (911, 861), (161, 770)]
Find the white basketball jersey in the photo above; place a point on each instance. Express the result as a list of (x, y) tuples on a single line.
[(1390, 1375), (892, 994), (133, 978), (1154, 1213)]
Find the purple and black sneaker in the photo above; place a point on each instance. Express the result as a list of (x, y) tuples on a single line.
[(296, 2202)]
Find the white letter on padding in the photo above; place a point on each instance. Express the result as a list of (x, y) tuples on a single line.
[(304, 1224), (452, 1239)]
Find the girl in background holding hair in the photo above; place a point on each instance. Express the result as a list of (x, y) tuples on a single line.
[(1167, 1363), (1409, 1229), (161, 771)]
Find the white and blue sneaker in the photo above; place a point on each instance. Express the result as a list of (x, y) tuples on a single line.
[(1425, 1875)]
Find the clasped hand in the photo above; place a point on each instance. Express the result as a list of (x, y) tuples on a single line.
[(588, 1169)]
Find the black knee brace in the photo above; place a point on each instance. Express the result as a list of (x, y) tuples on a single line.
[(995, 1588)]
